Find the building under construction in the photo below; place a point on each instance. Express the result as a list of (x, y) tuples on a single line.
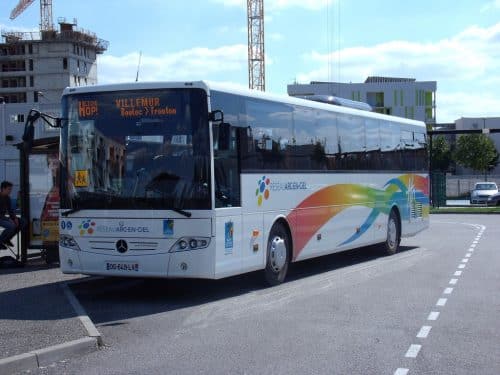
[(35, 67)]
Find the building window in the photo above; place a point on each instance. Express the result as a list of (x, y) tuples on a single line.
[(32, 81), (65, 63), (31, 64), (35, 96), (30, 48)]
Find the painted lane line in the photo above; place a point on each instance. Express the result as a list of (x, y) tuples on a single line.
[(81, 314), (401, 371), (433, 315), (448, 291), (441, 302), (473, 245), (461, 266), (457, 273), (475, 242), (453, 281), (413, 351), (424, 332), (465, 260), (468, 255)]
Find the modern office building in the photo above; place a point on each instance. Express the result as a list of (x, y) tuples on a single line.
[(35, 67), (403, 97)]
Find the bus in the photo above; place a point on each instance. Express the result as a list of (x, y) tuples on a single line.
[(204, 180)]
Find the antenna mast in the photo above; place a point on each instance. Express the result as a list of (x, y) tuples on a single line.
[(138, 67)]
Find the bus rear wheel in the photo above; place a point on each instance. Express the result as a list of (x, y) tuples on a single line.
[(278, 255), (393, 238)]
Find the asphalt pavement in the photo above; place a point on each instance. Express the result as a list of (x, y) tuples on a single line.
[(40, 320)]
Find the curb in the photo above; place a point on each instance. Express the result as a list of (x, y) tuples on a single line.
[(43, 357), (46, 356)]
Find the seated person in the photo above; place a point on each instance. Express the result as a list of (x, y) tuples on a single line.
[(8, 219)]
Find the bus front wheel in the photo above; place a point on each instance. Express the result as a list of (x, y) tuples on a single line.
[(278, 255), (393, 239)]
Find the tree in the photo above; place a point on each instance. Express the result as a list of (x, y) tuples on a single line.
[(440, 154), (476, 151)]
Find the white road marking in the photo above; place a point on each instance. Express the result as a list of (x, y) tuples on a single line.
[(424, 332), (82, 315), (401, 371), (441, 302), (433, 315), (413, 351)]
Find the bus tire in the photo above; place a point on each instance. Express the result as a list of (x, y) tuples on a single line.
[(278, 255), (393, 238)]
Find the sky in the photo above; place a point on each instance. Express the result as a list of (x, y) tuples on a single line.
[(453, 42)]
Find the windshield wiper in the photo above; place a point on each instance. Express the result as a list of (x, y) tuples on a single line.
[(71, 211), (181, 211)]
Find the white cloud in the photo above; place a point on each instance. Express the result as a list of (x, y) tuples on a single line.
[(191, 64), (453, 105), (468, 62), (9, 28), (491, 5)]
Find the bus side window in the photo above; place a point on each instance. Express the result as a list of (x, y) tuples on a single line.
[(227, 171)]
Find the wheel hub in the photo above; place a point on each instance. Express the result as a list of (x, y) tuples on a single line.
[(391, 233), (278, 254)]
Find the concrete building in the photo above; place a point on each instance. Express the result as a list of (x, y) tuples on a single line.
[(35, 67), (403, 97)]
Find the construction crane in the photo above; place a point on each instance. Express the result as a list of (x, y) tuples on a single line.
[(45, 13), (256, 65)]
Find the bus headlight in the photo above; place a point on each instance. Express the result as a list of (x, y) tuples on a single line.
[(68, 241), (190, 243)]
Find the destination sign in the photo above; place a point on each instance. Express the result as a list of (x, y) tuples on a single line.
[(129, 107), (143, 106)]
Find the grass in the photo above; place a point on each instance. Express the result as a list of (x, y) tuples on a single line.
[(465, 210)]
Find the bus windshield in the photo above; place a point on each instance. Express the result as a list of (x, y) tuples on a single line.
[(135, 150)]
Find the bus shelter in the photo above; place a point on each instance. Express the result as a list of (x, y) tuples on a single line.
[(39, 199)]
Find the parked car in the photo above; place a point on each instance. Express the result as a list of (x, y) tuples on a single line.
[(494, 200), (482, 191)]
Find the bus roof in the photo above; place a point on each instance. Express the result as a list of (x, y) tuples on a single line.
[(238, 90)]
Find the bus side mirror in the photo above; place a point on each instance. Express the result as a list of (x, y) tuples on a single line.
[(216, 116)]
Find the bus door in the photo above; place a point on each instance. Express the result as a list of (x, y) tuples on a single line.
[(227, 201)]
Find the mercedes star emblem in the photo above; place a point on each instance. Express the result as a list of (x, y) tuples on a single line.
[(121, 246)]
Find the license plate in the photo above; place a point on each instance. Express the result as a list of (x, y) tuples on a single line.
[(122, 266)]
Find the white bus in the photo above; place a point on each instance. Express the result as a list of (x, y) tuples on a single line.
[(198, 180)]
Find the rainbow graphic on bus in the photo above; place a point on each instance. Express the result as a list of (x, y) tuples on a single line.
[(407, 191), (262, 191)]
